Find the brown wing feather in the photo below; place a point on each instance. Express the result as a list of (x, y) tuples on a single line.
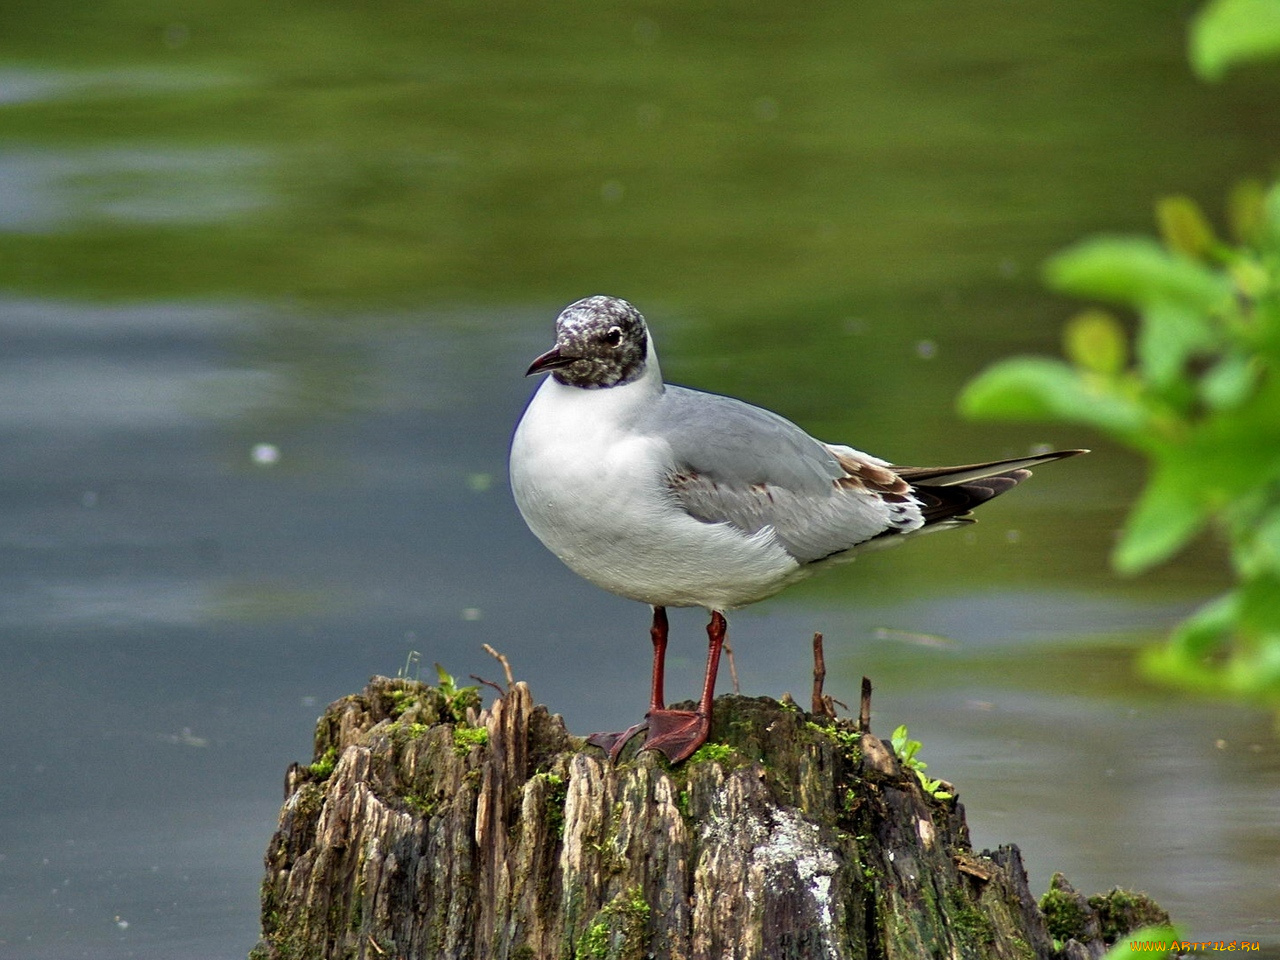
[(943, 493)]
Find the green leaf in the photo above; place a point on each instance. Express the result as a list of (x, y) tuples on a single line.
[(1235, 455), (1271, 215), (1229, 382), (1254, 672), (1228, 32), (1095, 341), (1208, 628), (1170, 511), (906, 748), (1184, 227), (1035, 388), (1261, 553), (1250, 277), (1136, 271), (1246, 210), (1260, 606), (1171, 666), (898, 737), (448, 684), (1169, 336)]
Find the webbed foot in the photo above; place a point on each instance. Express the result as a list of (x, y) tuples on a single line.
[(677, 733), (612, 743)]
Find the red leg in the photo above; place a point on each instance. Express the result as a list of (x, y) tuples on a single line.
[(614, 742), (658, 634), (716, 631), (678, 733)]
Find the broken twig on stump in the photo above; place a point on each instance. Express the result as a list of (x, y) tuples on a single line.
[(822, 705), (506, 664)]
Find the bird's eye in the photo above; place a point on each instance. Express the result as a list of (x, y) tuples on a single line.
[(613, 336)]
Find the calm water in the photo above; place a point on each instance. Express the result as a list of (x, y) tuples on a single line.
[(268, 281)]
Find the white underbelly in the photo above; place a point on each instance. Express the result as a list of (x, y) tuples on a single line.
[(618, 527)]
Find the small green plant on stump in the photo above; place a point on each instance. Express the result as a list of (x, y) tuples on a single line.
[(906, 749)]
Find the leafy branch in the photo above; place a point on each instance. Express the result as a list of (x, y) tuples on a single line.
[(1191, 381)]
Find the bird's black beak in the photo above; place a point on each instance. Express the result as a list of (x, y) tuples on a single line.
[(551, 360)]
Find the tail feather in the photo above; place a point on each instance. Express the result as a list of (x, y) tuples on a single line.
[(949, 493), (951, 476)]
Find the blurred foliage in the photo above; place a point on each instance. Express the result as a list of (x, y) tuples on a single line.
[(1196, 392), (1228, 32)]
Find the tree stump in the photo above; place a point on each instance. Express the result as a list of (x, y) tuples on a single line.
[(428, 829)]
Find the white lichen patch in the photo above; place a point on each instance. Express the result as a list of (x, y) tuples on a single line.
[(925, 829), (796, 841), (784, 847)]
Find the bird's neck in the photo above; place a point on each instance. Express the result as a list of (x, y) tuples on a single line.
[(618, 402)]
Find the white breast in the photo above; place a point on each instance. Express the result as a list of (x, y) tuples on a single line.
[(593, 490)]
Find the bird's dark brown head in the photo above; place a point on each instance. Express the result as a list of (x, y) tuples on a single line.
[(600, 342)]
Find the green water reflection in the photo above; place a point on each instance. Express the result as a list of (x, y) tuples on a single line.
[(808, 202), (754, 166)]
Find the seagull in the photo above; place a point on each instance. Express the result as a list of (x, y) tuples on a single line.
[(675, 497)]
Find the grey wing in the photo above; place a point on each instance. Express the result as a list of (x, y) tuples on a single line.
[(739, 464), (810, 528), (740, 444)]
